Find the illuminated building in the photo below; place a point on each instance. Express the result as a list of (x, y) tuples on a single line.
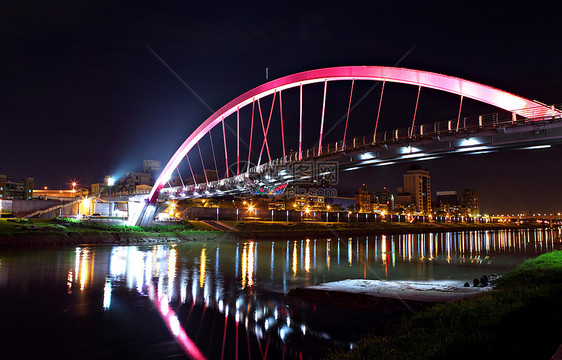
[(417, 185), (367, 200), (446, 203), (469, 202), (60, 194), (363, 199), (447, 197), (314, 203), (277, 204), (16, 190)]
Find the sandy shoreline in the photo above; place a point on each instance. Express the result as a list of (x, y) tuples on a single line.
[(429, 292)]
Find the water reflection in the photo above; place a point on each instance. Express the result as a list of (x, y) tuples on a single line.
[(191, 283)]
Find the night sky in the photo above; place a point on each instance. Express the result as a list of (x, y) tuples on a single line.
[(82, 94)]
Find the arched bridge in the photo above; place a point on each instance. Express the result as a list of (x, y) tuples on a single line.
[(520, 123)]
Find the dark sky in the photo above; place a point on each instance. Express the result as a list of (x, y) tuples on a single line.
[(82, 96)]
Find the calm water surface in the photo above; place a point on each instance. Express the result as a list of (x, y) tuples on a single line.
[(224, 300)]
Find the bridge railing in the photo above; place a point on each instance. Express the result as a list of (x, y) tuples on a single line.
[(455, 126)]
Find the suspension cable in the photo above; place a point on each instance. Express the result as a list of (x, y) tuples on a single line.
[(379, 111), (322, 120), (202, 163), (267, 129), (182, 184), (225, 151), (251, 133), (191, 169), (459, 117), (213, 149), (282, 130), (415, 112), (348, 109)]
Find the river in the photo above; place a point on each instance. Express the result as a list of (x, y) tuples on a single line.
[(224, 300)]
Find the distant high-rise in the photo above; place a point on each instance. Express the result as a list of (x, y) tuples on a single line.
[(151, 167), (369, 200), (417, 184), (447, 197), (470, 202)]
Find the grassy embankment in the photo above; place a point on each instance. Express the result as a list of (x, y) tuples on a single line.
[(69, 231), (520, 319), (288, 229)]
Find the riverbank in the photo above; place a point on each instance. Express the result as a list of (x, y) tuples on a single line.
[(520, 319), (55, 232), (290, 230), (40, 232)]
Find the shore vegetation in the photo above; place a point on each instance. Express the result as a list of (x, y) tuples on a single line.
[(520, 319)]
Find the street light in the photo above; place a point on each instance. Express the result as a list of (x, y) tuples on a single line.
[(110, 183), (172, 208), (73, 185)]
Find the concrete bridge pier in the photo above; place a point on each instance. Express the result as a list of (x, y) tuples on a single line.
[(145, 216)]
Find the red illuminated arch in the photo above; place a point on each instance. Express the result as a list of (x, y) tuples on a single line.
[(466, 88)]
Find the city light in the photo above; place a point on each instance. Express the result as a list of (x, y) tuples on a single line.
[(172, 208), (110, 181)]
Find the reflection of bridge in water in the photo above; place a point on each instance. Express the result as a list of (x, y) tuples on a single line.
[(228, 299), (519, 123)]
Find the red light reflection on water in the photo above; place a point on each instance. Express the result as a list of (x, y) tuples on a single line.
[(172, 322)]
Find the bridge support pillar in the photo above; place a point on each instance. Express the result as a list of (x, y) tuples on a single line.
[(146, 215)]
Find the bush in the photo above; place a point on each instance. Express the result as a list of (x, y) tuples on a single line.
[(19, 220), (94, 225)]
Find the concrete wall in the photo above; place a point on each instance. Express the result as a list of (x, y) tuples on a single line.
[(20, 208), (278, 215), (32, 205)]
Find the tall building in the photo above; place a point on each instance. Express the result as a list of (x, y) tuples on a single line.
[(417, 183), (447, 197), (363, 199), (367, 200), (16, 190), (470, 202), (385, 198), (151, 167), (446, 203)]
